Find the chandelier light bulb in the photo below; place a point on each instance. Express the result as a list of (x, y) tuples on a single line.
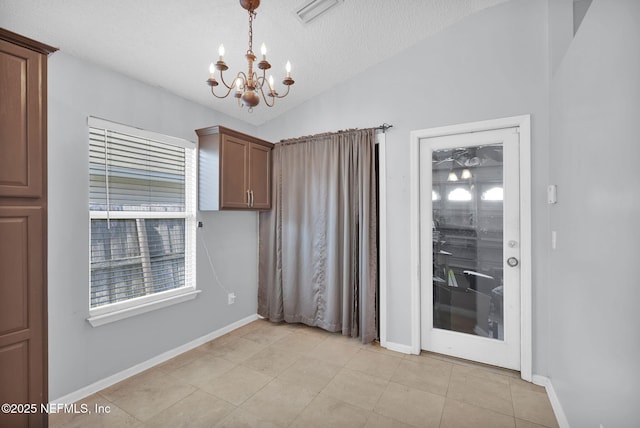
[(271, 82), (466, 174), (452, 176), (221, 52), (212, 69), (263, 50), (288, 68), (238, 84)]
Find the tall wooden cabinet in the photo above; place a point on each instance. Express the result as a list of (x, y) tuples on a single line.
[(23, 228), (235, 170)]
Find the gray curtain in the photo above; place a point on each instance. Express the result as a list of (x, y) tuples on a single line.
[(318, 244)]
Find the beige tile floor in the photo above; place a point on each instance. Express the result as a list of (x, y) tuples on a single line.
[(282, 375)]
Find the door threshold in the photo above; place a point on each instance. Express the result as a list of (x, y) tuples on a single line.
[(470, 363)]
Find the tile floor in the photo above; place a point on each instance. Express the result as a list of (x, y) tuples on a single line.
[(282, 375)]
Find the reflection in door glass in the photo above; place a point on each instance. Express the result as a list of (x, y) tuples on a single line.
[(467, 240)]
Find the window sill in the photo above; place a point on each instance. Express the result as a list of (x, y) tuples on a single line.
[(98, 320)]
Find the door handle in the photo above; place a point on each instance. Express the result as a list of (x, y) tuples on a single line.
[(252, 199), (512, 261), (249, 198)]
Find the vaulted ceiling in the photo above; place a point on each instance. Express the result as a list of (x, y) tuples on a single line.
[(170, 43)]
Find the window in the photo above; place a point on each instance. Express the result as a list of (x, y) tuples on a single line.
[(459, 194), (493, 194), (142, 211)]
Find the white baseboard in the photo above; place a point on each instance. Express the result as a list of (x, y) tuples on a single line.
[(563, 422), (145, 365), (398, 347)]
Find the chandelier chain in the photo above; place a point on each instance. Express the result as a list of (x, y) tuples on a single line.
[(252, 15)]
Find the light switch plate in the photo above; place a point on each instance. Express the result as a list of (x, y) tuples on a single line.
[(552, 194)]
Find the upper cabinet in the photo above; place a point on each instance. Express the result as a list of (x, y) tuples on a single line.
[(235, 170), (22, 111)]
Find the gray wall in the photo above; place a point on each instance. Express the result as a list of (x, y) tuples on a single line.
[(78, 353), (492, 64), (593, 280)]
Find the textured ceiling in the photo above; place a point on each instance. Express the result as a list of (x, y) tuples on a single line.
[(170, 43)]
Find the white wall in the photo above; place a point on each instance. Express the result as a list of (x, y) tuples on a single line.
[(489, 65), (78, 353), (593, 280)]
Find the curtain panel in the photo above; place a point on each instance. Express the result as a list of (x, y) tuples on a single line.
[(318, 245)]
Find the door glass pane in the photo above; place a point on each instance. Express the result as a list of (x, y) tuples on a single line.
[(467, 199)]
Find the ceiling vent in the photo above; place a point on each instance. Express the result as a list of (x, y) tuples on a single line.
[(314, 8)]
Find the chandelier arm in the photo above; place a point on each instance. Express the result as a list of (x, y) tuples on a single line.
[(255, 78), (262, 81), (223, 96), (264, 97), (273, 93), (225, 83), (244, 78), (286, 93)]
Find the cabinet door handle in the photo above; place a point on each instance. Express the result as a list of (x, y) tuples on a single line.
[(252, 199), (249, 198)]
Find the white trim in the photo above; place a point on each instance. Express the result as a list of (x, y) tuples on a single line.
[(482, 125), (561, 417), (526, 281), (398, 347), (145, 365), (414, 224), (523, 122), (160, 300), (96, 122), (382, 244)]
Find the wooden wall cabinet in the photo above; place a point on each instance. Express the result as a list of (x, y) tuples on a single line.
[(23, 228), (235, 170)]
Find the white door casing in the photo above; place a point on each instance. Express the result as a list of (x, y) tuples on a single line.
[(421, 264)]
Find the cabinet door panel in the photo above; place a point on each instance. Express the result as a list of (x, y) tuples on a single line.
[(21, 310), (15, 358), (260, 176), (21, 151), (234, 176)]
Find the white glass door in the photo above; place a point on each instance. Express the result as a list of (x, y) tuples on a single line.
[(469, 246)]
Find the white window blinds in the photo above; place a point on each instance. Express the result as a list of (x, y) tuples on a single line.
[(142, 209)]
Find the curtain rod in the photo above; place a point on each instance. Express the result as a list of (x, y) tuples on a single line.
[(382, 127)]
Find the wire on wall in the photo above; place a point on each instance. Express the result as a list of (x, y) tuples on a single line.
[(213, 269)]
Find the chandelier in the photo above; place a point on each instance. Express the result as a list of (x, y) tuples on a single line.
[(249, 86)]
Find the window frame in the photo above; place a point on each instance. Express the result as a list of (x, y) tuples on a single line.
[(137, 305)]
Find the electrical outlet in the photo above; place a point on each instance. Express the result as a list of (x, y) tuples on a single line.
[(231, 298)]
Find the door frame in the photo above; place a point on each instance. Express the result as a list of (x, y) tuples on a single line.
[(381, 142), (523, 123)]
